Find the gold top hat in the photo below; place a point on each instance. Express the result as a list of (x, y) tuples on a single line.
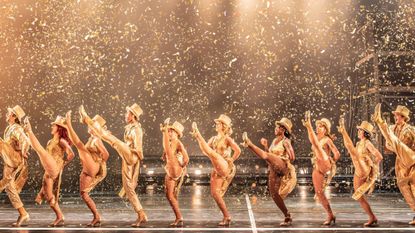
[(60, 121), (326, 123), (135, 109), (18, 111), (176, 126), (367, 127), (101, 121), (225, 120), (402, 110), (286, 123)]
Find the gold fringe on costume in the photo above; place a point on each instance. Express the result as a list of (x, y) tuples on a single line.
[(179, 182), (288, 181), (228, 179)]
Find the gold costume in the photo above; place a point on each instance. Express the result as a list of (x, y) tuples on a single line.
[(402, 144), (330, 174), (180, 179), (57, 152), (13, 148), (219, 145), (289, 180), (370, 165), (96, 156)]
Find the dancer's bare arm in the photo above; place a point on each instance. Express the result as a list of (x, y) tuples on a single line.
[(184, 153), (374, 151), (288, 147), (333, 148), (235, 148), (68, 150), (102, 150)]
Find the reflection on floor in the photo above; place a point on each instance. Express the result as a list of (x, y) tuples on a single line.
[(201, 214)]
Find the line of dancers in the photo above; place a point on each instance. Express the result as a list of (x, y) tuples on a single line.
[(221, 149)]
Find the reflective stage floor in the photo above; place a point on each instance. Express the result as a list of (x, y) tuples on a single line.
[(250, 213)]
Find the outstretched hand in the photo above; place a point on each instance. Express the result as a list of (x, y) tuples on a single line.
[(27, 126), (341, 127), (307, 119)]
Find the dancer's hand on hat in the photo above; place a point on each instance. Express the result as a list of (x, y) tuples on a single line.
[(341, 127), (264, 142), (27, 126)]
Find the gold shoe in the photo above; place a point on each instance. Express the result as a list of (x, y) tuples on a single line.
[(225, 222), (330, 221), (58, 223), (142, 218), (287, 221), (96, 222), (177, 223), (21, 220), (372, 223)]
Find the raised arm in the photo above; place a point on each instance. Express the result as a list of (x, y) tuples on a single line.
[(346, 138), (288, 147), (235, 148)]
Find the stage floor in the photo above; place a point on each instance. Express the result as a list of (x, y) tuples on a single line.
[(250, 213)]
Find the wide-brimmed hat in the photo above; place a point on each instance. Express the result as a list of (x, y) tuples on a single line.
[(101, 121), (61, 121), (367, 127), (326, 123), (402, 110), (286, 123), (225, 120), (18, 111), (176, 126), (135, 109)]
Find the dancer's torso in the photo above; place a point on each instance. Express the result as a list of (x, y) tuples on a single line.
[(278, 148), (406, 134), (363, 155), (130, 134), (56, 151), (12, 136), (221, 147)]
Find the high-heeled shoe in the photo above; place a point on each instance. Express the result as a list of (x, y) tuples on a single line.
[(245, 139), (177, 223), (21, 220), (371, 223), (329, 221), (412, 222), (195, 130), (225, 222), (58, 223), (96, 222), (287, 221), (142, 218)]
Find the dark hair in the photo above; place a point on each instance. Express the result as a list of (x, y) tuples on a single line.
[(63, 133), (286, 133), (366, 135)]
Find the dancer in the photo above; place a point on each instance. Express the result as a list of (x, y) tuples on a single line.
[(130, 151), (366, 159), (53, 161), (281, 173), (219, 150), (93, 156), (176, 158), (323, 163), (400, 139), (14, 148)]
